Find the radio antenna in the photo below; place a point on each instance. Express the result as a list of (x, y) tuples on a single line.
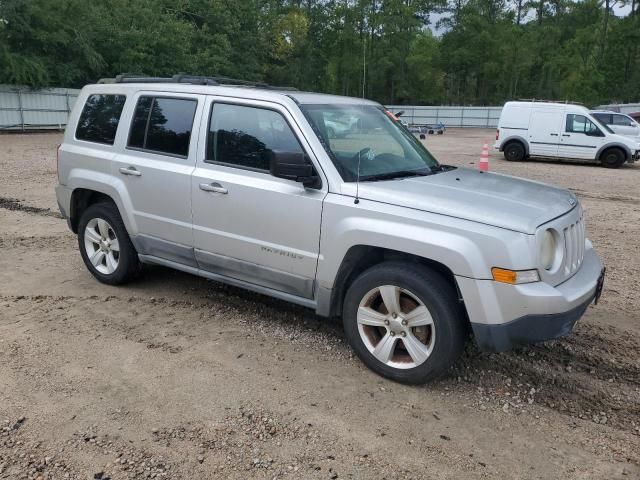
[(357, 200)]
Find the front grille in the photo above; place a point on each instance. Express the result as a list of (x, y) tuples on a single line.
[(573, 246)]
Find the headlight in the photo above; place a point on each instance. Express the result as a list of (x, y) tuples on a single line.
[(549, 249)]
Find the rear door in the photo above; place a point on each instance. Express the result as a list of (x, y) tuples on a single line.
[(156, 166), (581, 138), (248, 224), (544, 132)]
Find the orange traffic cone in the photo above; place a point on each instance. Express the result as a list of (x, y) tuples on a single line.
[(484, 159)]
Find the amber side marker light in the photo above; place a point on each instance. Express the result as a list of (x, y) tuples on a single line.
[(514, 277)]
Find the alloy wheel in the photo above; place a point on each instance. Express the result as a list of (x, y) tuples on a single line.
[(102, 246), (396, 327)]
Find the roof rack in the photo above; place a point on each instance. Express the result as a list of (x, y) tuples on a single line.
[(537, 100), (193, 80)]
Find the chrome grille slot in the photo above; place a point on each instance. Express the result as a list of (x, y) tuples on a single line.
[(574, 246)]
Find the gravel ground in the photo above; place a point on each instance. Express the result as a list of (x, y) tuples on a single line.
[(174, 376)]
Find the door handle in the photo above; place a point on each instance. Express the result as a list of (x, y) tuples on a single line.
[(566, 135), (553, 134), (130, 171), (214, 187)]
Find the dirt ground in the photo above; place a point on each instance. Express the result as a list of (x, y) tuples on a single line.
[(178, 377)]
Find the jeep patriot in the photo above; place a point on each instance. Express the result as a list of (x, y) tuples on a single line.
[(328, 202)]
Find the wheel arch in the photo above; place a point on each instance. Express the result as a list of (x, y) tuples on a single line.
[(620, 146), (515, 138), (87, 192), (360, 258)]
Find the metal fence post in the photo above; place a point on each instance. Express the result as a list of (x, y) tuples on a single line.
[(462, 118), (66, 97), (21, 110)]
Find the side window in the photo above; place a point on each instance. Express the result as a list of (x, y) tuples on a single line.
[(243, 136), (621, 120), (99, 118), (581, 124), (163, 125), (603, 117)]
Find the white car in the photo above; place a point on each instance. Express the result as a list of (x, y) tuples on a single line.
[(619, 122), (560, 130)]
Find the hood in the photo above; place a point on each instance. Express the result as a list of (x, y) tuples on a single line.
[(489, 198)]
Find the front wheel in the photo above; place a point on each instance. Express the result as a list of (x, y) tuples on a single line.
[(613, 158), (404, 322)]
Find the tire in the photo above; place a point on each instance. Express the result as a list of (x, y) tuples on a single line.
[(100, 232), (612, 158), (514, 152), (374, 334)]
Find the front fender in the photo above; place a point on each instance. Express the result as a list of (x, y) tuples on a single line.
[(627, 151), (467, 248), (108, 185)]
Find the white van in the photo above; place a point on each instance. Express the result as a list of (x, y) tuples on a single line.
[(559, 130)]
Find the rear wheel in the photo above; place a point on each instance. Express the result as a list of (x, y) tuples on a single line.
[(612, 158), (514, 151), (404, 322), (105, 245)]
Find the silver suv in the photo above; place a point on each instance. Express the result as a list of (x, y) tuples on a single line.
[(247, 184)]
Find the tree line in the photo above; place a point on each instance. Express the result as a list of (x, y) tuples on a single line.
[(484, 52)]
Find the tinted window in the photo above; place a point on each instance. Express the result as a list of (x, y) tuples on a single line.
[(139, 122), (621, 120), (99, 118), (580, 124), (603, 117), (243, 136), (163, 125)]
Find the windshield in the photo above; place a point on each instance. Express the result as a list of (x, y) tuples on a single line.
[(364, 137)]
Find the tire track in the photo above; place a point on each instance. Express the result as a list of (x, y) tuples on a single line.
[(592, 374), (14, 204)]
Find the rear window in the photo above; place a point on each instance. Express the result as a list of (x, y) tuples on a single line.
[(163, 125), (622, 120), (99, 118)]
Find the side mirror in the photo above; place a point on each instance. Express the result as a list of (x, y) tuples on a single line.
[(594, 133), (293, 166)]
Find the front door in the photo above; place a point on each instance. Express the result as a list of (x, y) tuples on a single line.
[(544, 132), (247, 224), (156, 166), (581, 138)]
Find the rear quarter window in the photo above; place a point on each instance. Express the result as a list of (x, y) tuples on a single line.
[(99, 118)]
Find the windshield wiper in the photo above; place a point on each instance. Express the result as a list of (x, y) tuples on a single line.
[(398, 174)]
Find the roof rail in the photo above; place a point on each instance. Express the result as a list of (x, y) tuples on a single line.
[(537, 100), (193, 80)]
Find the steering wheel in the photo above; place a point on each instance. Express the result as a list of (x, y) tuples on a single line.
[(362, 153)]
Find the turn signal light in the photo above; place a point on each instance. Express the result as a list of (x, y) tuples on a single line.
[(514, 277)]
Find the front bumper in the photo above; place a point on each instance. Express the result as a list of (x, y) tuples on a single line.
[(504, 316)]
